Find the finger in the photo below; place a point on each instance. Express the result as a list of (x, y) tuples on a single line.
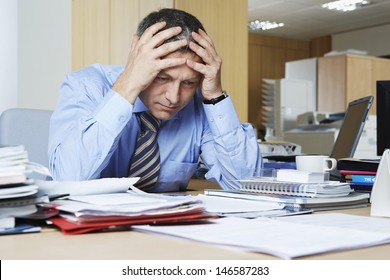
[(198, 67), (202, 53), (170, 62), (170, 47), (160, 37), (134, 42), (153, 29), (205, 69), (204, 41), (205, 36)]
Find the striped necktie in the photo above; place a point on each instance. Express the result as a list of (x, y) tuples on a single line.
[(145, 162)]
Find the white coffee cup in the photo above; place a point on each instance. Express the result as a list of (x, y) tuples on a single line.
[(315, 163)]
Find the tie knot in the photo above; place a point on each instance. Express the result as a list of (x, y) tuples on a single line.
[(149, 122)]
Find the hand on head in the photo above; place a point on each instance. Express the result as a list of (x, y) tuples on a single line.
[(145, 59), (211, 69), (149, 56)]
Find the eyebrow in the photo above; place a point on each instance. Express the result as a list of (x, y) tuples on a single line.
[(192, 79)]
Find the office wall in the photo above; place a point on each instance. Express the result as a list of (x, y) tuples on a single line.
[(8, 54), (44, 50), (375, 40), (102, 30)]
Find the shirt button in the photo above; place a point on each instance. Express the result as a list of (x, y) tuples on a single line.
[(121, 119)]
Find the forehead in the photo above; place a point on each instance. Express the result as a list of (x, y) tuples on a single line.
[(189, 55), (183, 70)]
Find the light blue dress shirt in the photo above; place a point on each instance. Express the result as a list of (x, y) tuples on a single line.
[(93, 134)]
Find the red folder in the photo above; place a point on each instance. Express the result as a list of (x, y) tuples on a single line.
[(95, 223)]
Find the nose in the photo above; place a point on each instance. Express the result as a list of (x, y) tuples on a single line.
[(172, 94)]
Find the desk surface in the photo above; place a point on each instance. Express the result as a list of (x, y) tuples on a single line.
[(125, 245)]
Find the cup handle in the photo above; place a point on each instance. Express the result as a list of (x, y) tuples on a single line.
[(330, 164)]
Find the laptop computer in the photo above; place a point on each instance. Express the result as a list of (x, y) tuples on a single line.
[(349, 133), (351, 128)]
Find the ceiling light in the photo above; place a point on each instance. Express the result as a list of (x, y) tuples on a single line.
[(345, 5), (263, 25)]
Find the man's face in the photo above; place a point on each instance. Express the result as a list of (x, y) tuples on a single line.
[(172, 89)]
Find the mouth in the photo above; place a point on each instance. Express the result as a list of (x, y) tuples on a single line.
[(169, 107)]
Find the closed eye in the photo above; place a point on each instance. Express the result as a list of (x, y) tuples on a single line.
[(189, 83), (161, 79)]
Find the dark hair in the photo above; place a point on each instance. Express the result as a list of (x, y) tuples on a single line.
[(172, 17)]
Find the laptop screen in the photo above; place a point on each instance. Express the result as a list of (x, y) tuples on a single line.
[(351, 128)]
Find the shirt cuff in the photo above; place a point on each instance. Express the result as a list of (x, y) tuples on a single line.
[(222, 117), (114, 112)]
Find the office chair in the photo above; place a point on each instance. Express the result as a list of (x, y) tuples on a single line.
[(28, 127)]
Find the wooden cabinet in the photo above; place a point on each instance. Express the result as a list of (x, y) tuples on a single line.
[(344, 78)]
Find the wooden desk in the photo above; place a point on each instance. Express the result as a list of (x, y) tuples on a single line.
[(129, 245)]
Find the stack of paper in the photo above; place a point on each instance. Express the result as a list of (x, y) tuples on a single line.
[(85, 213), (272, 186), (246, 208), (18, 193), (13, 173), (353, 200), (13, 161), (299, 195), (21, 207)]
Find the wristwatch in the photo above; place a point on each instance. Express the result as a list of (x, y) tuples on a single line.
[(214, 101)]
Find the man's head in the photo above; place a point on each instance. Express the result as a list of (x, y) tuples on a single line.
[(173, 18), (174, 87)]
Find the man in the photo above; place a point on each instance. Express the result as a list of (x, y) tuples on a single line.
[(173, 73)]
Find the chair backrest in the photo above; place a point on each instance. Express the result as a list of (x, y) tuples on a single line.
[(28, 127)]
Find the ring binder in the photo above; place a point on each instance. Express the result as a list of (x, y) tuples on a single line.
[(328, 189)]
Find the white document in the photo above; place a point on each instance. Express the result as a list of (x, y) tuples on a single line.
[(116, 199), (286, 238), (98, 186), (225, 205), (123, 203), (343, 221), (380, 195), (19, 191)]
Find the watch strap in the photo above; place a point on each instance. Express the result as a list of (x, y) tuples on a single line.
[(214, 101)]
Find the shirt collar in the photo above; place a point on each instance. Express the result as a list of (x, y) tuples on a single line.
[(139, 106)]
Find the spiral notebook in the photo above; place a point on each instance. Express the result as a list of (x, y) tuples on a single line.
[(268, 186)]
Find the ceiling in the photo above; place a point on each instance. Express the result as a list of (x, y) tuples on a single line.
[(305, 19)]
